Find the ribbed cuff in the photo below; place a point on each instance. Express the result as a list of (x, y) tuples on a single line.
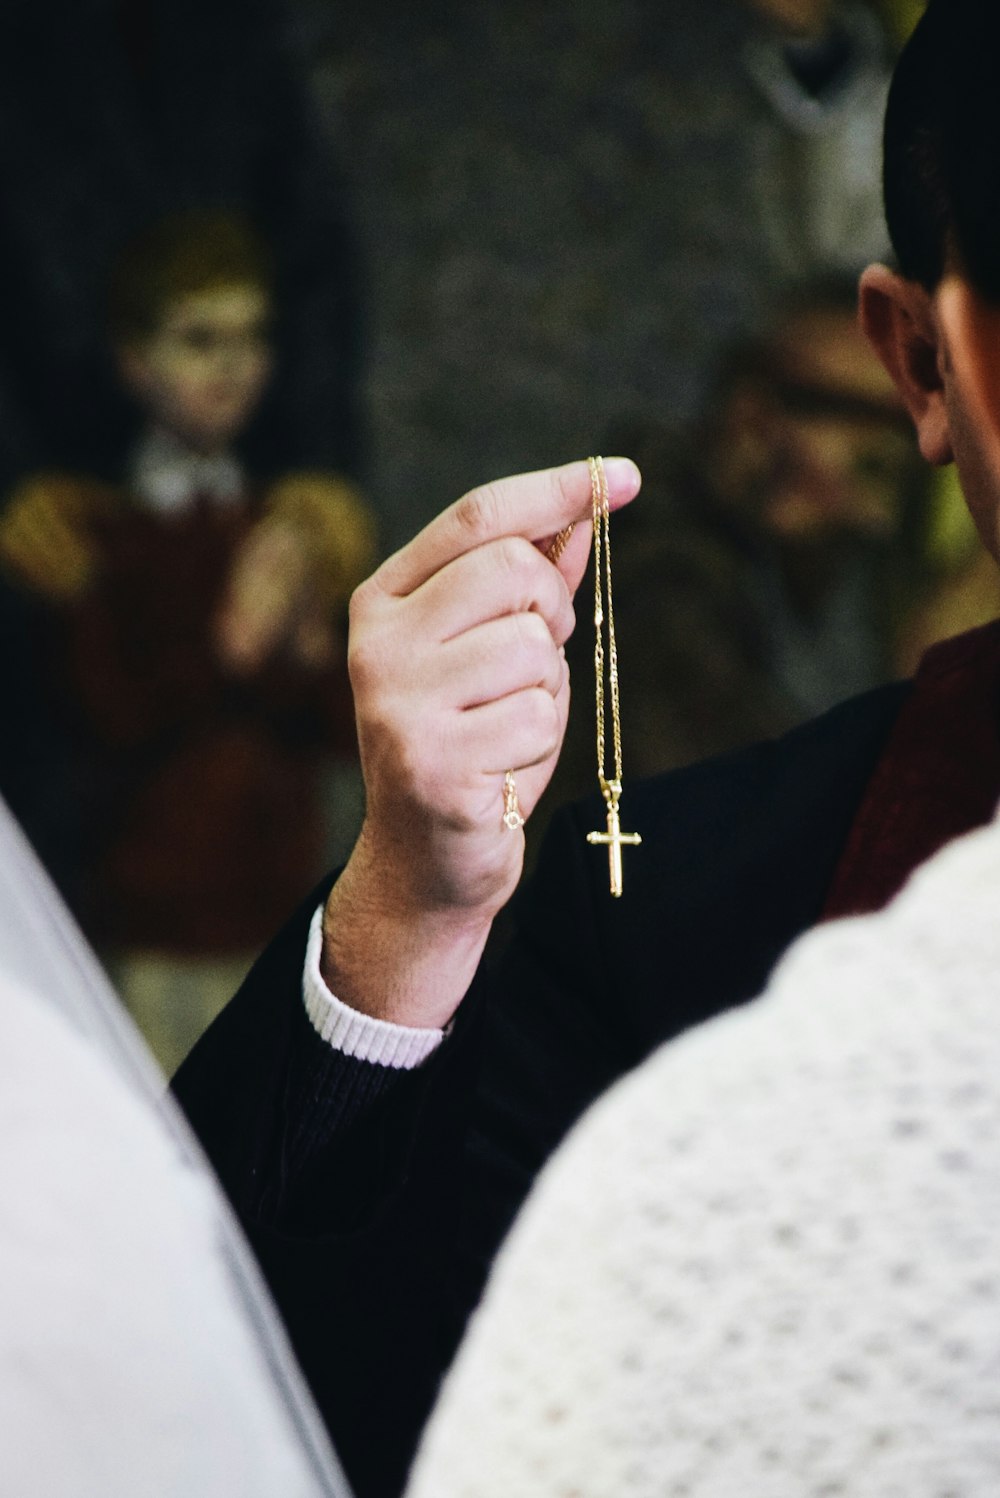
[(355, 1034)]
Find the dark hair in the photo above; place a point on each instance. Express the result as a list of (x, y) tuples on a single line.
[(941, 169), (177, 256)]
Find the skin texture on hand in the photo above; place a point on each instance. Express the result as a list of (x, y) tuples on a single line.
[(457, 665)]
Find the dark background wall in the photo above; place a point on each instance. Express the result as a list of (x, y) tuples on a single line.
[(564, 209)]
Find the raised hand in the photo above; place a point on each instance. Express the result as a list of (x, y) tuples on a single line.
[(458, 671)]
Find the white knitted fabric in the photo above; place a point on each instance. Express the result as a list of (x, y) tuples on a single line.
[(401, 1047), (767, 1265)]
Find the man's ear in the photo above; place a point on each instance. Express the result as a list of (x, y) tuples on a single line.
[(899, 322)]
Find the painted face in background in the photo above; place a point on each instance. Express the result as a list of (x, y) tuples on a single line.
[(820, 444), (202, 373)]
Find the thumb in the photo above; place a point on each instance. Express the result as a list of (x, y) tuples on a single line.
[(614, 481)]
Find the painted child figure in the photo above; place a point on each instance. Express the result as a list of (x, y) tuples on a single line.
[(196, 636)]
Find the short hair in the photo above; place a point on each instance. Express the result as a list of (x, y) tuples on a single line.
[(941, 165), (180, 256)]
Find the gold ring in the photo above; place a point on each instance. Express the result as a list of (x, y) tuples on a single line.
[(512, 818)]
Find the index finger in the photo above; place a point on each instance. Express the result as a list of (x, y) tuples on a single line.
[(533, 505)]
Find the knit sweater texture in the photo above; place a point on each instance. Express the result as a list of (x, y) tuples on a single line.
[(765, 1264)]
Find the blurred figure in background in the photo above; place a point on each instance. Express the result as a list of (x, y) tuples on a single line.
[(764, 575), (115, 114), (582, 187), (768, 570), (823, 66), (194, 637)]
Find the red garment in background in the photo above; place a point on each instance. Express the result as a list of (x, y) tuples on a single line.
[(216, 827)]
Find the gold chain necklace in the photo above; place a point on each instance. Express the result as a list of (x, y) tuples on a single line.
[(606, 669)]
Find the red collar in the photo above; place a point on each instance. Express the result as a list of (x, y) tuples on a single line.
[(939, 774)]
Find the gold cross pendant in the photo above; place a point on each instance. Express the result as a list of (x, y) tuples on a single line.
[(614, 839)]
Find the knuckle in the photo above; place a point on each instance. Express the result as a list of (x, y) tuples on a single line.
[(355, 610), (477, 513), (541, 719), (366, 621), (534, 643), (360, 601), (364, 665), (519, 559), (564, 621), (355, 614)]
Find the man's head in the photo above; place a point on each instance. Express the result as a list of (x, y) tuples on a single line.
[(935, 321), (190, 307)]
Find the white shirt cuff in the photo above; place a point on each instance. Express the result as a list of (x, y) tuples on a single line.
[(355, 1034)]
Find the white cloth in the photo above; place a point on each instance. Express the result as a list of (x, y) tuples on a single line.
[(139, 1354), (766, 1265), (167, 476)]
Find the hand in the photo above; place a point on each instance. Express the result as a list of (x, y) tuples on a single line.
[(458, 671), (294, 573), (267, 582), (337, 524), (45, 533)]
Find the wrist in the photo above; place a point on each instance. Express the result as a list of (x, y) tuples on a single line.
[(391, 953)]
